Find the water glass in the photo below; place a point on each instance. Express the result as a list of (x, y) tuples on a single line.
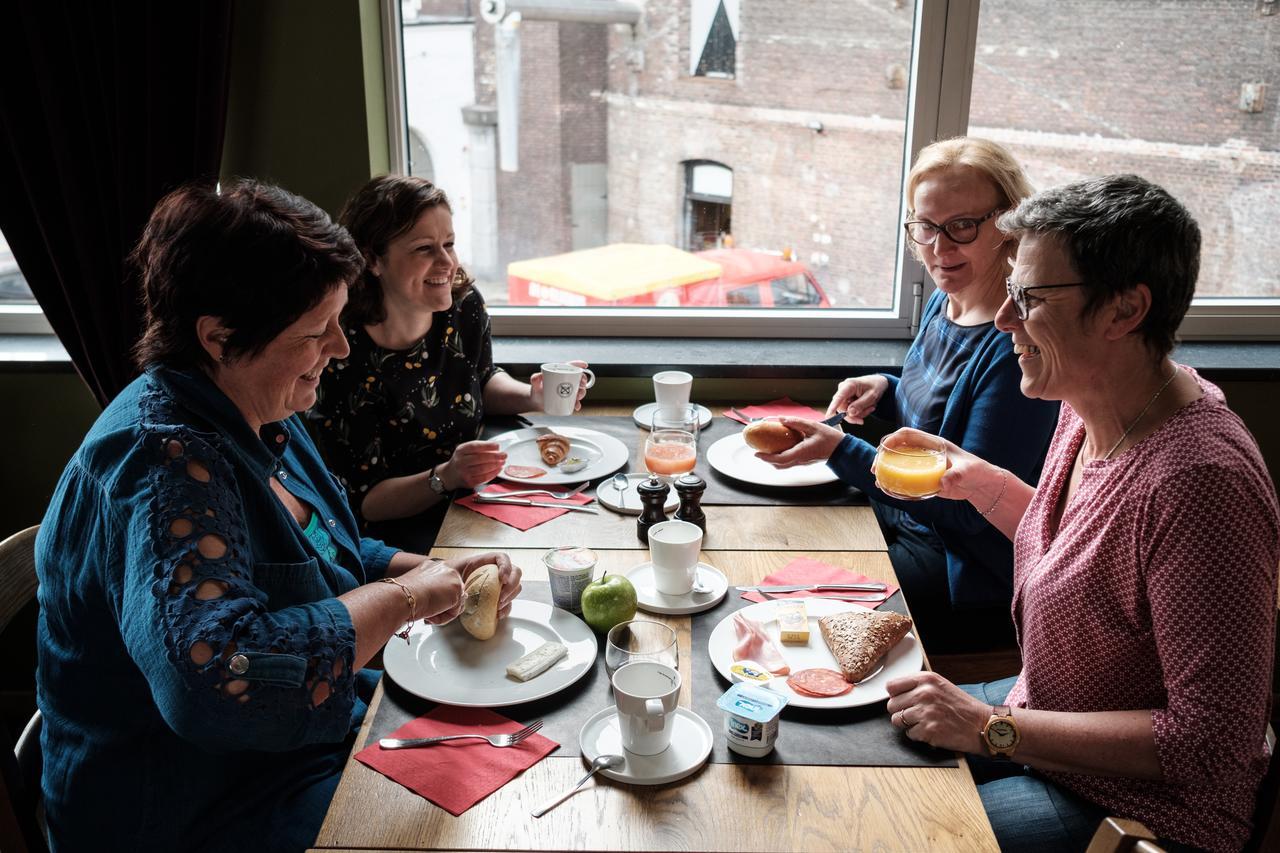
[(640, 639)]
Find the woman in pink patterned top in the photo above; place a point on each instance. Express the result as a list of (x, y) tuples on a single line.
[(1144, 564)]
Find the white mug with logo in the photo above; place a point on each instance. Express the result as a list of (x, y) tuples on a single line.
[(560, 386), (646, 693), (674, 547), (672, 387)]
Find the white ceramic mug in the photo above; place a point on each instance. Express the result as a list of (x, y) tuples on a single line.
[(646, 693), (674, 547), (560, 383), (672, 387)]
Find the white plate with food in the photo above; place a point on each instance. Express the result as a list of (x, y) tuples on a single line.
[(691, 742), (446, 664), (904, 658), (732, 457), (528, 462)]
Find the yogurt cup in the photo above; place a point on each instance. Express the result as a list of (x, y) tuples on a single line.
[(751, 718), (570, 569)]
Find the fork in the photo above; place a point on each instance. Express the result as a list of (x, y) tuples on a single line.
[(557, 495), (494, 740)]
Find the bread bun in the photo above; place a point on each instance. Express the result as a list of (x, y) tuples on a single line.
[(480, 602), (770, 436)]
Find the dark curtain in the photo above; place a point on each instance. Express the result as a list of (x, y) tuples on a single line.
[(104, 107)]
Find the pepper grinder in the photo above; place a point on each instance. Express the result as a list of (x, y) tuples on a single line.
[(653, 495), (690, 488)]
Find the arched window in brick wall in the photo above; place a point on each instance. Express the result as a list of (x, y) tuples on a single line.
[(708, 205)]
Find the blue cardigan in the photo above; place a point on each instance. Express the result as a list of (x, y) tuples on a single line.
[(988, 416)]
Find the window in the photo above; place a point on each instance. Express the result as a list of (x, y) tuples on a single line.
[(13, 287), (797, 154), (420, 157)]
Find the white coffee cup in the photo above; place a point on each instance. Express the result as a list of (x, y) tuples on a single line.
[(646, 693), (560, 383), (672, 387), (674, 547)]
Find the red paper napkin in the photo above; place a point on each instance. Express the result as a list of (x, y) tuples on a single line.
[(785, 407), (804, 570), (457, 774), (522, 517)]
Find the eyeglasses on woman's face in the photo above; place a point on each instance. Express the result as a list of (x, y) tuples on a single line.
[(1018, 293), (962, 229)]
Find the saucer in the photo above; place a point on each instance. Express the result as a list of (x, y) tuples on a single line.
[(648, 598), (691, 740), (608, 496), (643, 415)]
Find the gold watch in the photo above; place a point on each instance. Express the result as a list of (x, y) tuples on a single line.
[(1001, 734)]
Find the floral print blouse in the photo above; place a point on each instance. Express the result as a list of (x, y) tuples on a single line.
[(384, 413)]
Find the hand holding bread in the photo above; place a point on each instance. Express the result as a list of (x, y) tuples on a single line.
[(770, 436), (440, 586), (816, 443)]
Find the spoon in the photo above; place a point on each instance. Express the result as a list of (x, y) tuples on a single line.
[(601, 762), (623, 485), (699, 587)]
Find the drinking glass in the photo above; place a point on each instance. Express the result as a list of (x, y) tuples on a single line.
[(640, 639), (671, 447), (911, 471)]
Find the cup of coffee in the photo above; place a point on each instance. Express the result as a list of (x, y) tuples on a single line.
[(646, 693), (672, 387), (560, 383), (674, 547)]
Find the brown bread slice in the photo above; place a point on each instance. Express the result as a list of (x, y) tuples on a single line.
[(859, 639)]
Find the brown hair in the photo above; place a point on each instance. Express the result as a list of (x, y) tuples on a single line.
[(381, 211), (253, 255), (992, 159)]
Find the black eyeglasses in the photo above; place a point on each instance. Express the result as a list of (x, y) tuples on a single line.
[(962, 229), (1018, 293)]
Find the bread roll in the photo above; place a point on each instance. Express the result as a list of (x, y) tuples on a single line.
[(480, 602), (770, 436)]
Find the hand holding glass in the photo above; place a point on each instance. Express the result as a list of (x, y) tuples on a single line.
[(911, 471)]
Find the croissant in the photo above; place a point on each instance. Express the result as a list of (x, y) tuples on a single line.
[(553, 448)]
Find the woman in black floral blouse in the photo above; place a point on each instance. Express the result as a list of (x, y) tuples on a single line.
[(398, 418)]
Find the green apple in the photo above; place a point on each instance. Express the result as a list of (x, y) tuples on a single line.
[(608, 601)]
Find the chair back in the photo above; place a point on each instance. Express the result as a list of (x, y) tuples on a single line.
[(20, 824)]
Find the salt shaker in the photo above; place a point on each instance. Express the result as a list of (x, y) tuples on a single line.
[(690, 488), (653, 496)]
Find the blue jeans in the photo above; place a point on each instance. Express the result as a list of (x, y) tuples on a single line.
[(1027, 811)]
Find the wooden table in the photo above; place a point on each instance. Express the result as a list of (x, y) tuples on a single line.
[(722, 807)]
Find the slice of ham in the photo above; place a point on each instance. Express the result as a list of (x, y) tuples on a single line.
[(755, 644), (524, 472)]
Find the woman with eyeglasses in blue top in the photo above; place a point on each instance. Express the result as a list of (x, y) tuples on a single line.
[(961, 377)]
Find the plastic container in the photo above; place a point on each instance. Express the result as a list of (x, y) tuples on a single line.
[(751, 718), (570, 569), (750, 672)]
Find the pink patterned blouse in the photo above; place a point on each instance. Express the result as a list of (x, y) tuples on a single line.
[(1159, 592)]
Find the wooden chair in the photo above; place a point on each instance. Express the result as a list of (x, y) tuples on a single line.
[(21, 824), (1118, 835)]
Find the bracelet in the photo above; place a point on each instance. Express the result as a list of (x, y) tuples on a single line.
[(413, 607), (1004, 483)]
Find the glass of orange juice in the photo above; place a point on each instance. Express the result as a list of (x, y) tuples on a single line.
[(911, 471), (670, 452)]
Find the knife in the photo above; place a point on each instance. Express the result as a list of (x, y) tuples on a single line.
[(831, 421), (816, 587), (545, 504)]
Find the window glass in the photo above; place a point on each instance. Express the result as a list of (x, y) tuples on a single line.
[(1184, 94), (13, 287), (749, 130)]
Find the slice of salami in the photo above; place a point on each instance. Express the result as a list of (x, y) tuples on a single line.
[(819, 682), (524, 472)]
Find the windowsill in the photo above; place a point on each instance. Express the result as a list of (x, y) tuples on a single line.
[(722, 358)]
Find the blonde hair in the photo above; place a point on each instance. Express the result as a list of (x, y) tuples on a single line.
[(992, 159)]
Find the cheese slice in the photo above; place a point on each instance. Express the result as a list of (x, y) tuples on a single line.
[(537, 661)]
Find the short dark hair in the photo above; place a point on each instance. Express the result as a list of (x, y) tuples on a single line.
[(1120, 231), (253, 255), (379, 212)]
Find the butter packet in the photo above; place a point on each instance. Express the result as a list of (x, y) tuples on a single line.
[(793, 623)]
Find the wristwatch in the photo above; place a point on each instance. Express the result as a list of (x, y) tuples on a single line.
[(1001, 734), (436, 484)]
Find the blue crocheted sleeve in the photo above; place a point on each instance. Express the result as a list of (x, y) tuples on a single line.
[(226, 672)]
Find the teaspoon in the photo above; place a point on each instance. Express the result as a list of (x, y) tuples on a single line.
[(623, 485), (601, 762)]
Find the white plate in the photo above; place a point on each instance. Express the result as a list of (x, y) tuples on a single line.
[(903, 659), (608, 496), (648, 598), (691, 740), (643, 415), (604, 454), (732, 457), (445, 664)]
